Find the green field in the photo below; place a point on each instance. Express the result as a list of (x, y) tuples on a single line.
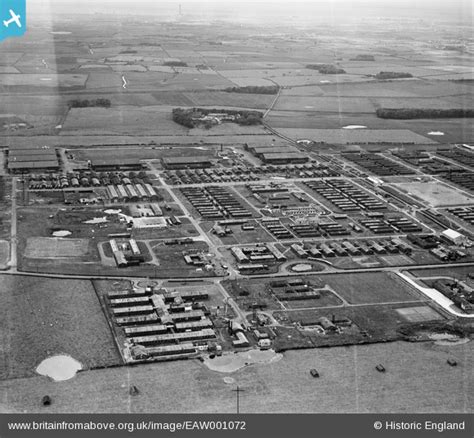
[(42, 317), (371, 288)]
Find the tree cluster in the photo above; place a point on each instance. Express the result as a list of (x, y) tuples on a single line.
[(392, 75), (326, 69), (254, 89), (189, 117), (424, 113), (86, 103)]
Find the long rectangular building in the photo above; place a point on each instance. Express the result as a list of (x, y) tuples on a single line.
[(170, 338)]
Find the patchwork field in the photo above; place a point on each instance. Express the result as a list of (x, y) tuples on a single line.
[(25, 82), (122, 120)]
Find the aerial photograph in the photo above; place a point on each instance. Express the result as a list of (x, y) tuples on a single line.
[(237, 207)]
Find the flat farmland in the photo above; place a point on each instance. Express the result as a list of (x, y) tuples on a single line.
[(173, 98), (374, 68), (129, 68), (307, 91), (122, 120), (33, 105), (325, 104), (371, 288), (25, 82), (7, 69), (189, 82), (4, 253), (289, 81), (345, 136), (313, 120), (417, 102), (449, 127), (383, 89), (251, 81), (230, 129), (284, 386), (103, 81), (125, 141), (224, 99), (44, 317), (10, 58)]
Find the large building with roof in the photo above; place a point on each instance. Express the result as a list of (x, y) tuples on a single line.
[(32, 158)]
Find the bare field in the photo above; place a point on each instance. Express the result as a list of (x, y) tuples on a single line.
[(284, 386), (43, 80), (345, 136), (325, 104), (55, 247), (122, 120), (225, 99), (125, 141)]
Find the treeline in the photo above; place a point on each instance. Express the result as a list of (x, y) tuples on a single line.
[(183, 117), (392, 75), (326, 69), (175, 64), (363, 57), (254, 89), (86, 103), (423, 113), (190, 117)]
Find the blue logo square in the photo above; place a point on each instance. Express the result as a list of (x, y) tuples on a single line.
[(12, 18)]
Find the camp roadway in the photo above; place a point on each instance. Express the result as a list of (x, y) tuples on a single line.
[(430, 293), (13, 238)]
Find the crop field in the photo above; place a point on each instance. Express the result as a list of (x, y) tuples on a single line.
[(225, 99), (436, 195), (284, 386), (325, 104), (34, 105), (371, 288), (346, 136), (417, 102), (45, 317), (99, 81), (122, 120), (228, 129), (4, 252), (24, 82), (10, 58)]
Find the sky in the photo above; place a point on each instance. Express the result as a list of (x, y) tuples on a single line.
[(261, 9)]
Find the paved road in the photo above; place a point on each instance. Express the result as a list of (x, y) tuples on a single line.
[(13, 238), (436, 296)]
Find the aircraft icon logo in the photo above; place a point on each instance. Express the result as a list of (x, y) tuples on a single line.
[(12, 18)]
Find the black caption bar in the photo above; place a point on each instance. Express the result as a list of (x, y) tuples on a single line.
[(257, 425)]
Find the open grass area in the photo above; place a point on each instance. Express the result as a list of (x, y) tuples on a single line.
[(284, 386), (370, 288), (437, 195), (42, 317)]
